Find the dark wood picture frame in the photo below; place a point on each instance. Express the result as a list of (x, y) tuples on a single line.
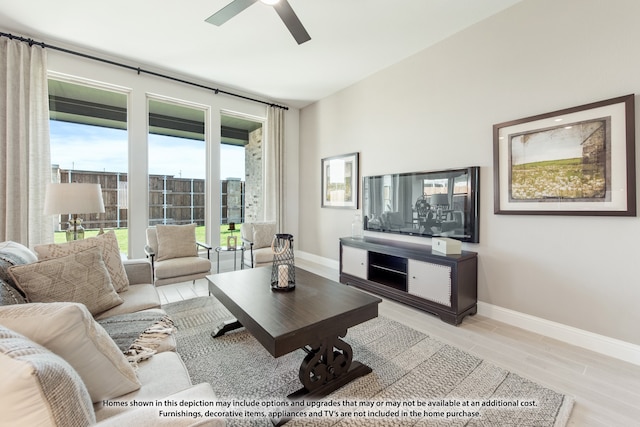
[(576, 161), (340, 181)]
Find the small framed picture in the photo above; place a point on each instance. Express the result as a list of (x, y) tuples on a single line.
[(577, 161), (340, 176)]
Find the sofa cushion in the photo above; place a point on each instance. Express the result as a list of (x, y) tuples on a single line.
[(163, 374), (12, 253), (149, 416), (108, 244), (260, 256), (178, 267), (38, 387), (10, 295), (80, 277), (136, 298), (176, 241), (68, 330)]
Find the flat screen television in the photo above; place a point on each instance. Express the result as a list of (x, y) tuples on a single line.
[(429, 204)]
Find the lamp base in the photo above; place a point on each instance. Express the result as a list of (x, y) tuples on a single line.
[(75, 230)]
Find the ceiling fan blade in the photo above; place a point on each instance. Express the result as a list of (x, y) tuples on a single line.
[(292, 22), (229, 11)]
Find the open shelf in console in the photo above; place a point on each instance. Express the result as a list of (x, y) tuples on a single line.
[(388, 270)]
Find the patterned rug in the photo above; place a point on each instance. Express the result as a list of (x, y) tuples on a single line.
[(416, 380)]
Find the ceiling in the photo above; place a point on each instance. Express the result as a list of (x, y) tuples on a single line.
[(253, 53)]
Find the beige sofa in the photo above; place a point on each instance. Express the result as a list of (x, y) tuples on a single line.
[(58, 366)]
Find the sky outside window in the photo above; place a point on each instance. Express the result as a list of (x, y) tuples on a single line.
[(95, 148)]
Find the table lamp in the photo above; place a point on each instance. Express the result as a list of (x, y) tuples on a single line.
[(73, 198)]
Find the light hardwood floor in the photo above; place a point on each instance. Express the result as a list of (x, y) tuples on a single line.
[(606, 390)]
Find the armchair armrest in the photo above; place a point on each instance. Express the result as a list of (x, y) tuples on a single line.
[(149, 251), (205, 246), (150, 254), (250, 243), (139, 271)]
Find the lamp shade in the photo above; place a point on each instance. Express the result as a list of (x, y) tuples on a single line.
[(73, 198), (440, 200)]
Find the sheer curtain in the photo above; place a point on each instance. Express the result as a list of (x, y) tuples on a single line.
[(25, 164), (274, 168)]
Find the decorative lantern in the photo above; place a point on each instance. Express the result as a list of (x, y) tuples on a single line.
[(283, 272)]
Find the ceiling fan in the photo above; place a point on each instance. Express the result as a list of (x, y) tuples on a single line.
[(282, 7)]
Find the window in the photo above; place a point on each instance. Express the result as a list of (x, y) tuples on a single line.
[(240, 172), (89, 144), (177, 165)]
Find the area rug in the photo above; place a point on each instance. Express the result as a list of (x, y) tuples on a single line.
[(416, 380)]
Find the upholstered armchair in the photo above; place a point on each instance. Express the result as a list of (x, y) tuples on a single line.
[(174, 254), (257, 238)]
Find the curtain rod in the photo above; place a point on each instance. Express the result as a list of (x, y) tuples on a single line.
[(137, 69)]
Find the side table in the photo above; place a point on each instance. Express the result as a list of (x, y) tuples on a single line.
[(235, 251)]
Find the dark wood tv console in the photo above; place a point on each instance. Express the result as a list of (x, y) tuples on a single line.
[(444, 285)]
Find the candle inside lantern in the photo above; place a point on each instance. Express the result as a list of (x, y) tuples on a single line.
[(283, 276)]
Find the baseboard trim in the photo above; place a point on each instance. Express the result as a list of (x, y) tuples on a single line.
[(598, 343), (326, 262)]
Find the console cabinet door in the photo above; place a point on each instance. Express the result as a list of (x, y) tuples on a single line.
[(354, 261), (430, 281)]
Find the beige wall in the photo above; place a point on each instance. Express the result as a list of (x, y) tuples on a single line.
[(436, 110)]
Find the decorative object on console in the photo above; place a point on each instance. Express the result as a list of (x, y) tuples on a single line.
[(283, 272), (446, 246), (340, 175), (428, 204), (73, 198), (357, 231), (576, 161)]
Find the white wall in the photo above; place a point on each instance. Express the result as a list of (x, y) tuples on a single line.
[(436, 110), (139, 88)]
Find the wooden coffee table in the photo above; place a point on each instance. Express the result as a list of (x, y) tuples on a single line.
[(314, 317)]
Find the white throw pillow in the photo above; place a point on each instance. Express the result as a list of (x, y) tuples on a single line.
[(39, 388), (108, 244), (79, 277), (176, 241), (68, 330)]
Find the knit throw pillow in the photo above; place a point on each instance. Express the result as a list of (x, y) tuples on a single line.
[(110, 251), (68, 330), (38, 387), (80, 277), (10, 295)]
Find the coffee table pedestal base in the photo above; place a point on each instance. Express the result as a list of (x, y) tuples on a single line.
[(224, 327), (327, 367)]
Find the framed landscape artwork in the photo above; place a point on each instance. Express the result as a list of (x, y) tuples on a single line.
[(340, 181), (577, 161)]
